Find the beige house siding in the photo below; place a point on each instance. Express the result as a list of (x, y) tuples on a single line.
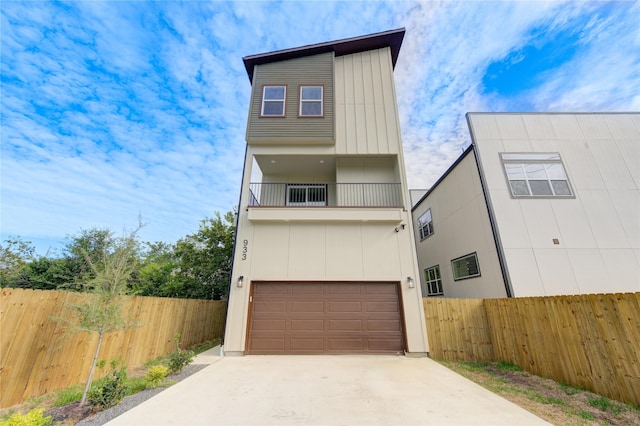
[(312, 70), (366, 111), (461, 226), (598, 231)]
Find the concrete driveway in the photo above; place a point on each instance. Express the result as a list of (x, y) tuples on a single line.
[(325, 390)]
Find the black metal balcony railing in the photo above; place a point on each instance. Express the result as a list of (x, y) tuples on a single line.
[(325, 195)]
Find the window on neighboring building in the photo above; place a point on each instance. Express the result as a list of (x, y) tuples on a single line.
[(465, 267), (536, 175), (311, 104), (273, 98), (313, 194), (432, 282), (425, 224)]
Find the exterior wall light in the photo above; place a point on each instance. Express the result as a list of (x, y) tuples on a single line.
[(412, 283), (240, 280)]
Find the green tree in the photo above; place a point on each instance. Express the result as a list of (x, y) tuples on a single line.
[(204, 259), (15, 255), (111, 265)]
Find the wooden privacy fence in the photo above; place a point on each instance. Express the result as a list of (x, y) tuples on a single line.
[(37, 355), (590, 341)]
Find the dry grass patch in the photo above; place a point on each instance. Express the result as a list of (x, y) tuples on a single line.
[(556, 403)]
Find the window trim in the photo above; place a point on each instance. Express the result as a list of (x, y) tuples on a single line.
[(437, 281), (546, 158), (283, 100), (422, 227), (301, 101), (466, 277)]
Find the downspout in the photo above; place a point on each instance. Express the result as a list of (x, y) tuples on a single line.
[(233, 255), (492, 220)]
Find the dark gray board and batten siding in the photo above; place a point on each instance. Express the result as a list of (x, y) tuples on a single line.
[(316, 70)]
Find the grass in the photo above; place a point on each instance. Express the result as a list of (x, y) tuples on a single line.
[(557, 403)]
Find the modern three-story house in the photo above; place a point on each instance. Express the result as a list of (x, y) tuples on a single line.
[(325, 260)]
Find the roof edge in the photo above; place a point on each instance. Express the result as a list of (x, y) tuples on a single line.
[(392, 39)]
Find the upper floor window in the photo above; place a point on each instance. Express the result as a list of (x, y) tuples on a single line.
[(273, 99), (307, 195), (465, 267), (432, 282), (425, 224), (311, 101), (536, 175)]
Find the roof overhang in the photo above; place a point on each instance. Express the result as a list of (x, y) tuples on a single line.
[(347, 46)]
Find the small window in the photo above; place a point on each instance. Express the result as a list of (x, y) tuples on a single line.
[(432, 282), (307, 195), (311, 104), (273, 101), (465, 267), (425, 224), (536, 175)]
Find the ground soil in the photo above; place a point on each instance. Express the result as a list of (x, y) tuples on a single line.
[(556, 403)]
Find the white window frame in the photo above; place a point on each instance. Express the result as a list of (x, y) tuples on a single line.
[(306, 203), (432, 286), (273, 100), (310, 101), (456, 276), (425, 224), (534, 173)]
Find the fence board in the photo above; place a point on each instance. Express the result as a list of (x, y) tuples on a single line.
[(590, 341), (37, 355)]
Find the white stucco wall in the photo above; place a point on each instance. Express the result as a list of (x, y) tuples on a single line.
[(598, 230)]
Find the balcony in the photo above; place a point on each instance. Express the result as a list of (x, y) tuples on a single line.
[(317, 195)]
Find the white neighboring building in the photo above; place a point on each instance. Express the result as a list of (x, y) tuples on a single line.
[(539, 204)]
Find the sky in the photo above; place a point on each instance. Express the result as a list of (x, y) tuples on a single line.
[(113, 111)]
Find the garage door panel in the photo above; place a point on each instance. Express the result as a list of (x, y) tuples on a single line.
[(307, 325), (337, 318), (352, 306), (338, 325), (381, 306), (270, 306)]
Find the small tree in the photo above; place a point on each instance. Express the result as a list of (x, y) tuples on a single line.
[(111, 269)]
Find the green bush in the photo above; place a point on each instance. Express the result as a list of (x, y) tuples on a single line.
[(156, 375), (109, 390), (180, 358), (34, 417)]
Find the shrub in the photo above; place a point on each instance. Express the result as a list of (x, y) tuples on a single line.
[(156, 375), (109, 390), (34, 417), (180, 358)]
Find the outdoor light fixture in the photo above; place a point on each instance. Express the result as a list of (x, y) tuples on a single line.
[(240, 280), (412, 284)]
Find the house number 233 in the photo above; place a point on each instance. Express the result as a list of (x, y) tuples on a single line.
[(245, 249)]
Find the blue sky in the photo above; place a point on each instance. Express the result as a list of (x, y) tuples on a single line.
[(115, 110)]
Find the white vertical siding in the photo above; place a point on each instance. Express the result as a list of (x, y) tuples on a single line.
[(366, 110)]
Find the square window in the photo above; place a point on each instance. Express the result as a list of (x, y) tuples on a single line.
[(273, 101), (465, 267), (311, 101)]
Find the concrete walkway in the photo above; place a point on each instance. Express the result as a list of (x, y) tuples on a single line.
[(325, 390)]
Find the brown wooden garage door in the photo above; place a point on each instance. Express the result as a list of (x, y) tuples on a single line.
[(324, 318)]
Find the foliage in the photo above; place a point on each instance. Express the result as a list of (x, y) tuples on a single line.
[(109, 390), (67, 396), (34, 417), (198, 266), (156, 375), (15, 255), (179, 358)]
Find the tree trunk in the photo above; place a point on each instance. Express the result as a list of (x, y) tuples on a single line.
[(93, 368)]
